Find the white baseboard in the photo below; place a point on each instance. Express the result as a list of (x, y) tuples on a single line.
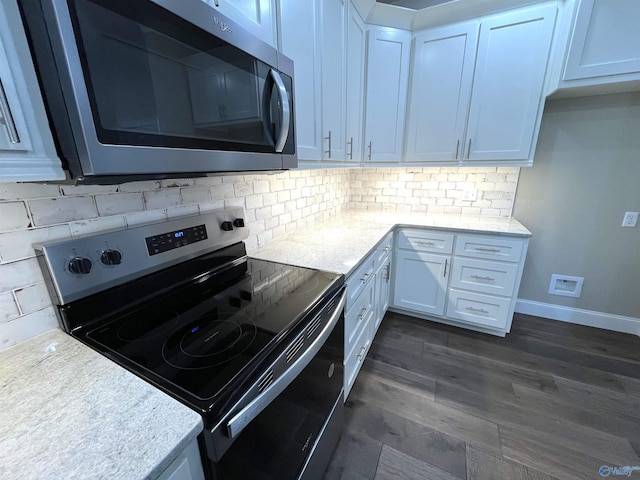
[(589, 318)]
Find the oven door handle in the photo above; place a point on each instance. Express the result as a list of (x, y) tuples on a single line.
[(253, 409)]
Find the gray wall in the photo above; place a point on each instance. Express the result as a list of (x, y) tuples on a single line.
[(586, 174)]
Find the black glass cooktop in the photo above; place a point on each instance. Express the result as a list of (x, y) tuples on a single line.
[(200, 338)]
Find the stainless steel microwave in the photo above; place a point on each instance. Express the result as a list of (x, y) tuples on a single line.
[(159, 88)]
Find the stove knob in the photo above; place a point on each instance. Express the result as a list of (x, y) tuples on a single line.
[(226, 226), (111, 257), (80, 265), (238, 222)]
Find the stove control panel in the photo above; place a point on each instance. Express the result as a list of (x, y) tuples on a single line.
[(76, 268)]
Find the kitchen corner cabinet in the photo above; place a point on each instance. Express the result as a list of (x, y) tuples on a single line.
[(465, 280), (486, 104), (255, 16), (367, 302), (27, 152), (388, 57), (604, 45)]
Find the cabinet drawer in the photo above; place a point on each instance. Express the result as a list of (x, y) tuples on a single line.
[(353, 362), (358, 280), (425, 241), (384, 249), (477, 308), (360, 313), (494, 278), (491, 248)]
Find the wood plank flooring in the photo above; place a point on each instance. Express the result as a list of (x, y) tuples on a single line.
[(550, 401)]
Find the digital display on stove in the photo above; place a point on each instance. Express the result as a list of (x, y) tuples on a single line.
[(176, 239)]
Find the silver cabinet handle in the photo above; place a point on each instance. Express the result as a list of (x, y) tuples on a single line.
[(328, 152), (285, 112), (478, 277), (365, 277), (479, 310), (428, 244), (364, 313), (469, 150), (386, 249), (369, 155), (457, 149), (7, 117), (490, 250), (361, 355), (350, 143), (446, 263), (258, 404), (217, 3), (387, 277)]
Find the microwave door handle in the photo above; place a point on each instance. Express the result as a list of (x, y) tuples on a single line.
[(285, 112)]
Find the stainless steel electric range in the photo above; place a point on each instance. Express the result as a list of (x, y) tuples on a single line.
[(255, 347)]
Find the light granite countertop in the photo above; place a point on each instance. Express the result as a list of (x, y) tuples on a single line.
[(67, 412), (341, 243)]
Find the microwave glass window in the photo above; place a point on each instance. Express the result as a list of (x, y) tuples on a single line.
[(154, 80)]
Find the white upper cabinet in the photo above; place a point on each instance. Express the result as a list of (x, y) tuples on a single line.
[(255, 16), (477, 89), (388, 56), (27, 152), (300, 39), (334, 85), (356, 48), (443, 61), (604, 45), (507, 100)]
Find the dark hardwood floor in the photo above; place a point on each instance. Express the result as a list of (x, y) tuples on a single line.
[(552, 400)]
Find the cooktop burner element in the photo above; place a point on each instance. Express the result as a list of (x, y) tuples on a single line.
[(153, 325), (209, 342)]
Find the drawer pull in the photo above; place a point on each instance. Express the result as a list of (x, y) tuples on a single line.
[(365, 277), (361, 354), (478, 277), (365, 312), (387, 249), (387, 275), (446, 263), (490, 250), (428, 244), (479, 310)]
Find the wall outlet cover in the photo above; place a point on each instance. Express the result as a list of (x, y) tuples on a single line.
[(630, 219), (565, 286)]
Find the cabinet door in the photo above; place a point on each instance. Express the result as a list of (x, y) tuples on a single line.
[(27, 151), (507, 98), (334, 79), (420, 282), (443, 61), (383, 290), (255, 16), (387, 79), (605, 39), (300, 40), (356, 43)]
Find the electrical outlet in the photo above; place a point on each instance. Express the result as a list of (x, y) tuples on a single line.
[(630, 219), (470, 195)]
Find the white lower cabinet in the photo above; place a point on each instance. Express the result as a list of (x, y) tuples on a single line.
[(470, 281), (367, 301), (187, 466)]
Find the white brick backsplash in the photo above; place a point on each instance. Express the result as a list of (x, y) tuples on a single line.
[(14, 216), (243, 189), (201, 194), (19, 191), (32, 298), (18, 274), (254, 201), (140, 186), (156, 199), (261, 186), (207, 207), (140, 218), (8, 307), (115, 204), (25, 327), (50, 211), (87, 189), (182, 211), (177, 182), (18, 245), (222, 191), (96, 225)]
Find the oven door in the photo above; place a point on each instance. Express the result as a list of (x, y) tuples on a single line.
[(143, 79), (295, 435)]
